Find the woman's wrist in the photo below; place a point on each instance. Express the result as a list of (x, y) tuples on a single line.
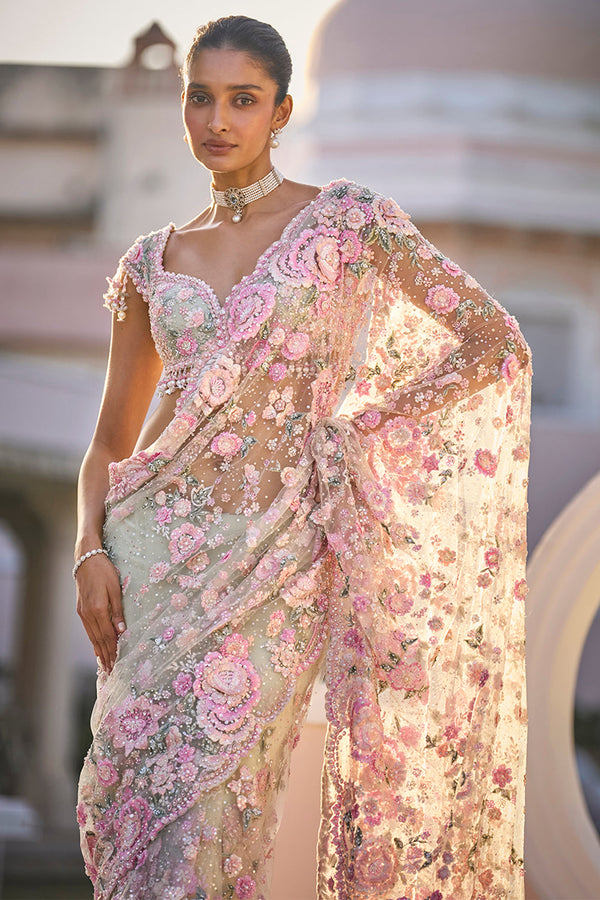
[(87, 542), (85, 556)]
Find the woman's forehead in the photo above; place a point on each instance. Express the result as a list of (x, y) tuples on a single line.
[(227, 65)]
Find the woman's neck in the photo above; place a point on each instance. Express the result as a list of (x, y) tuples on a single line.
[(242, 178)]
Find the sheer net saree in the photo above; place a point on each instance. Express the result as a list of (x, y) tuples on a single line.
[(342, 487)]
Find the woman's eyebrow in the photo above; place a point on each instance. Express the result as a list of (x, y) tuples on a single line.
[(230, 87)]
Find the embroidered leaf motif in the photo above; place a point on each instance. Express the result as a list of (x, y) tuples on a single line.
[(359, 267), (365, 196), (488, 309), (476, 639), (406, 643), (246, 444), (291, 420), (515, 859), (248, 814), (464, 306), (310, 296), (384, 240)]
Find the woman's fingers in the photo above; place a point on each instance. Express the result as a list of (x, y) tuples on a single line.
[(89, 623), (101, 628), (95, 643), (116, 606), (118, 625), (100, 609)]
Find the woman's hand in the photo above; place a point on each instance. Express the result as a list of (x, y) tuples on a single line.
[(99, 607)]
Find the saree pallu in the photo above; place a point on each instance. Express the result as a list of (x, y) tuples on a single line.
[(342, 490)]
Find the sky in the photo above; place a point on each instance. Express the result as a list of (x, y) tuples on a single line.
[(82, 32)]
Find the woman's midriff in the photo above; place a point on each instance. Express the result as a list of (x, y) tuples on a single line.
[(157, 422), (254, 475)]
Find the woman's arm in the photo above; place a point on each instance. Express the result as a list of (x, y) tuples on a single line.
[(132, 373), (485, 342)]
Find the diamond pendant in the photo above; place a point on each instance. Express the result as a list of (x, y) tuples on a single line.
[(235, 201)]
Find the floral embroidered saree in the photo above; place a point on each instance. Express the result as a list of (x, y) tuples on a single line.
[(341, 491)]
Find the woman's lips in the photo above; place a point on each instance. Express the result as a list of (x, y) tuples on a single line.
[(218, 148)]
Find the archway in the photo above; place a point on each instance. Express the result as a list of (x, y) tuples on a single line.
[(562, 847)]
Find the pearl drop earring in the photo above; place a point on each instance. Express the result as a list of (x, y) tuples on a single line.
[(274, 139)]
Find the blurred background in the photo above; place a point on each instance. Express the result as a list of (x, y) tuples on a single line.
[(483, 121)]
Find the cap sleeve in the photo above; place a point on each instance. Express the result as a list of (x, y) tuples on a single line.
[(133, 265)]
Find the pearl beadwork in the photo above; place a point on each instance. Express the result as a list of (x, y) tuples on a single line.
[(237, 198)]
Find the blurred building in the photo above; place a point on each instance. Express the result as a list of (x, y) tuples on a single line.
[(482, 120)]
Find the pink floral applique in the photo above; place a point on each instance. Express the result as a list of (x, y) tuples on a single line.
[(486, 462), (510, 368), (134, 722), (388, 213), (248, 310), (217, 383), (186, 344), (492, 559), (277, 371), (442, 299), (227, 443), (183, 684), (245, 888), (185, 540), (296, 345), (232, 866), (451, 268), (227, 690), (107, 774), (376, 864)]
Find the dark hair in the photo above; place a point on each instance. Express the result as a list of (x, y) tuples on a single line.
[(258, 39)]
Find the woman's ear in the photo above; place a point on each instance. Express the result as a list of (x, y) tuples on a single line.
[(283, 112)]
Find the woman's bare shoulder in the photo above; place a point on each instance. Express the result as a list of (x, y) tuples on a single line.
[(195, 223), (302, 192)]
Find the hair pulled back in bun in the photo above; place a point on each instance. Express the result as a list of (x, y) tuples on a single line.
[(258, 39)]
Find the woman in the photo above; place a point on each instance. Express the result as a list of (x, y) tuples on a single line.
[(334, 478)]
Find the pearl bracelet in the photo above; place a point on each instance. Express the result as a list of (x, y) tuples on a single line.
[(87, 555)]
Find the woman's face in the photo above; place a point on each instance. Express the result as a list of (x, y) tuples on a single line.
[(229, 111)]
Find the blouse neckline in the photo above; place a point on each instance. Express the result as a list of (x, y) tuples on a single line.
[(222, 304)]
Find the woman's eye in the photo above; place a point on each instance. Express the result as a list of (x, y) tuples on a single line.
[(198, 98)]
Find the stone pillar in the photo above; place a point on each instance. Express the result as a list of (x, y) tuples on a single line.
[(43, 677)]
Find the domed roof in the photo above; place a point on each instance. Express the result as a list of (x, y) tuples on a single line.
[(558, 39)]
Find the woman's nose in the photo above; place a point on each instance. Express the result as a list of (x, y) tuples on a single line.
[(218, 121)]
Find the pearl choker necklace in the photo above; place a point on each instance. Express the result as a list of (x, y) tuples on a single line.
[(237, 198)]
